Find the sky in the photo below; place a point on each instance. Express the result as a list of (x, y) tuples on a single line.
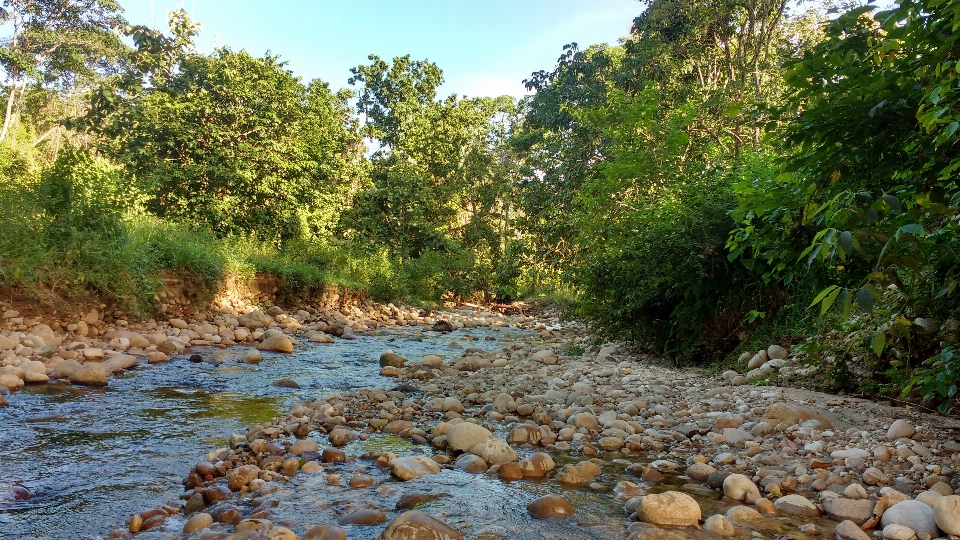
[(484, 47)]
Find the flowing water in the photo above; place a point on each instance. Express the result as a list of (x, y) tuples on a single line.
[(94, 456)]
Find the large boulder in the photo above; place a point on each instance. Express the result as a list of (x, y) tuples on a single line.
[(669, 508), (494, 451), (844, 509), (410, 467), (392, 359), (276, 343), (416, 525), (912, 514), (90, 374), (549, 507), (946, 512), (255, 319), (119, 362), (465, 435)]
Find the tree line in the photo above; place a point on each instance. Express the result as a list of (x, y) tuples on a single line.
[(731, 171)]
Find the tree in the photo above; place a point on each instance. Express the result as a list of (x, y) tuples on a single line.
[(229, 142), (60, 43)]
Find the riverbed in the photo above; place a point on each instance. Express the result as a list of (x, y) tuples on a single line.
[(94, 456)]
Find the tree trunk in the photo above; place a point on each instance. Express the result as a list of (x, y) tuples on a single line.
[(11, 99)]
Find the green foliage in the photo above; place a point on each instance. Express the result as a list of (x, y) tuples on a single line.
[(866, 199), (84, 195), (937, 378)]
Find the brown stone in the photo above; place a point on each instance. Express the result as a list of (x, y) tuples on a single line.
[(366, 516), (241, 476), (550, 507), (416, 525), (510, 471), (325, 532), (230, 516), (332, 455), (361, 480), (197, 522)]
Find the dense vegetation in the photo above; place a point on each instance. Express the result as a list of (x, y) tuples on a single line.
[(731, 173)]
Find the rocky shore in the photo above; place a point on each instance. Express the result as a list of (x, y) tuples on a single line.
[(682, 454)]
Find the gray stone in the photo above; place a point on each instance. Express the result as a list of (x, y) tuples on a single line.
[(912, 514)]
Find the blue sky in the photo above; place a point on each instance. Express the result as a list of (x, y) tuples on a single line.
[(485, 47)]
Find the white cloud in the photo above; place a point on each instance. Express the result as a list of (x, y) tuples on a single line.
[(484, 84)]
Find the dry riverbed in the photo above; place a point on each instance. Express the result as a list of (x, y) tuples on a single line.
[(523, 441)]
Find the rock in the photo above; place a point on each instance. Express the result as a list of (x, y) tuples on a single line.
[(470, 463), (119, 362), (255, 319), (239, 477), (300, 447), (465, 435), (252, 357), (669, 508), (286, 383), (416, 525), (848, 530), (341, 437), (392, 359), (700, 471), (537, 465), (197, 522), (898, 532), (797, 504), (524, 433), (946, 513), (791, 414), (855, 510), (743, 513), (755, 362), (276, 343), (91, 375), (573, 475), (740, 488), (776, 352), (157, 358), (333, 455), (586, 420), (912, 514), (509, 472), (900, 429), (179, 323), (408, 468), (442, 326), (325, 532), (167, 346), (875, 477), (719, 525), (366, 516), (494, 451), (550, 507)]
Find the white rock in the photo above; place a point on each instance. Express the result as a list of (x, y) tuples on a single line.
[(946, 514), (465, 435), (912, 514), (899, 429)]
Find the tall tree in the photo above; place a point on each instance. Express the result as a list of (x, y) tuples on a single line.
[(60, 43)]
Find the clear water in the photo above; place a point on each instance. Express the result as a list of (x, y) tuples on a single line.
[(94, 456)]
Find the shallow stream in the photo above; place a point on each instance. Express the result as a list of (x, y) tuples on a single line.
[(94, 456)]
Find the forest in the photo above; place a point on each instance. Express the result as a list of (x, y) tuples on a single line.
[(732, 173)]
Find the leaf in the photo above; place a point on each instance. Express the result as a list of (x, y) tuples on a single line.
[(822, 294), (911, 228), (865, 299), (846, 301), (846, 242), (877, 342), (829, 300)]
